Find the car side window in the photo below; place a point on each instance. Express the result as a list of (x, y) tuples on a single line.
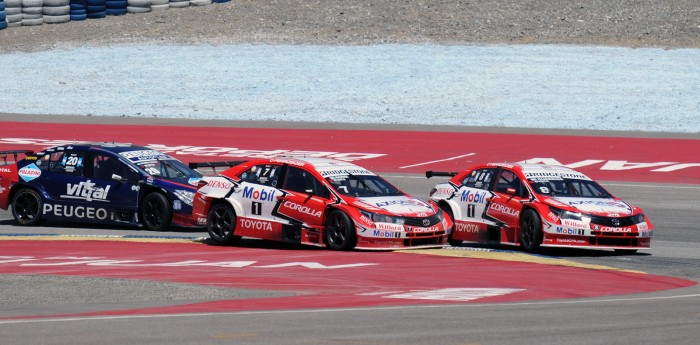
[(302, 181), (508, 179), (63, 162), (104, 166), (264, 174), (479, 178)]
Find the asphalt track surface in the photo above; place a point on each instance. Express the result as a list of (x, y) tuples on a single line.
[(650, 317)]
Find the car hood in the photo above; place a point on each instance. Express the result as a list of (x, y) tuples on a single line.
[(396, 205), (603, 207)]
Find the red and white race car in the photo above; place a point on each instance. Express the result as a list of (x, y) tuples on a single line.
[(318, 202), (533, 205)]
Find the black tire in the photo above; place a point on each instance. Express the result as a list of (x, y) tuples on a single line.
[(156, 212), (448, 211), (221, 224), (27, 207), (530, 231), (625, 251), (340, 231)]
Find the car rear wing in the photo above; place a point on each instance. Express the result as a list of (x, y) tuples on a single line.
[(431, 173), (214, 165), (15, 154)]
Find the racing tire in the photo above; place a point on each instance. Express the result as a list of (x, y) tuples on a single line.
[(221, 224), (448, 211), (530, 231), (340, 231), (156, 212), (27, 206)]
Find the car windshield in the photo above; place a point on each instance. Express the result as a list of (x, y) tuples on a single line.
[(572, 188), (362, 185), (170, 169)]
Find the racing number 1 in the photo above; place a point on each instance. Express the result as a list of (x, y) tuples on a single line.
[(256, 208), (471, 210)]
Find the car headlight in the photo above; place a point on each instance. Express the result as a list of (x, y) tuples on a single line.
[(639, 218), (382, 218), (185, 196), (562, 214)]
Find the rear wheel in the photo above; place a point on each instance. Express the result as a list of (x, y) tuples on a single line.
[(156, 212), (221, 224), (452, 242), (530, 230), (27, 206), (340, 231)]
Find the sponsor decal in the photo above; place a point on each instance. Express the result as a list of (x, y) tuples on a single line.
[(177, 205), (505, 210), (643, 226), (341, 172), (646, 233), (386, 234), (611, 229), (202, 221), (574, 223), (29, 172), (82, 212), (422, 230), (402, 202), (388, 226), (86, 190), (194, 181), (467, 227), (443, 191), (473, 196), (262, 195), (223, 185), (366, 220), (570, 231), (255, 224), (5, 170), (302, 209), (145, 155), (570, 241)]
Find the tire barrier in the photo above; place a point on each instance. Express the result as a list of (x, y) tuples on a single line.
[(3, 15), (78, 10), (115, 7), (56, 11), (96, 9), (13, 12), (32, 12), (179, 3), (138, 6), (36, 12)]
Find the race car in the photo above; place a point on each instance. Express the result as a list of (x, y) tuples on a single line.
[(99, 183), (315, 201), (535, 205)]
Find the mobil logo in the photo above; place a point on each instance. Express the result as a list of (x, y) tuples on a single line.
[(473, 196), (255, 194)]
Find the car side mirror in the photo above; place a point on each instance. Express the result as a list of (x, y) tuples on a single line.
[(308, 191), (117, 178), (510, 191)]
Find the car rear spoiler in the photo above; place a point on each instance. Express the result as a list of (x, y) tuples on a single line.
[(431, 173), (14, 153)]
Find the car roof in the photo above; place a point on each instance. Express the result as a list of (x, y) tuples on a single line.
[(544, 170), (86, 146), (325, 166)]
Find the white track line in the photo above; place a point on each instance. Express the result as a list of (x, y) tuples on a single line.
[(439, 160)]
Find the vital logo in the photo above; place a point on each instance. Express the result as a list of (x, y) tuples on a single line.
[(87, 191)]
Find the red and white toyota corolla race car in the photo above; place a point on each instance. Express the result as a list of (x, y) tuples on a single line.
[(533, 205), (317, 202)]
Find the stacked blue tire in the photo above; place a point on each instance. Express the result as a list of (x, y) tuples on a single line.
[(78, 10), (96, 9), (3, 17), (115, 7)]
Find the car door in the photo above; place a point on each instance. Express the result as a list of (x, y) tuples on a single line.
[(306, 198), (258, 197), (507, 204), (120, 180), (473, 195)]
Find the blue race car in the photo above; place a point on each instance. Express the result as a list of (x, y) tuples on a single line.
[(99, 183)]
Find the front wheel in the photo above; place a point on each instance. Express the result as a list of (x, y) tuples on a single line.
[(221, 224), (530, 231), (156, 212), (340, 231), (27, 206)]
